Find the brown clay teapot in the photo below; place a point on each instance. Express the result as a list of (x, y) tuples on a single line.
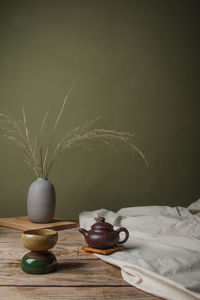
[(103, 236)]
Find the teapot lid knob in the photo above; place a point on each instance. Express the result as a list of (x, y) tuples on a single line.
[(102, 225)]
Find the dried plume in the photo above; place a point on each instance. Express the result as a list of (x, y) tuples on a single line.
[(41, 159)]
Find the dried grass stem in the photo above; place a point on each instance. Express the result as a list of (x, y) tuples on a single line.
[(41, 160)]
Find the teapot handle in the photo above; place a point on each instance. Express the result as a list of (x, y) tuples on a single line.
[(126, 232)]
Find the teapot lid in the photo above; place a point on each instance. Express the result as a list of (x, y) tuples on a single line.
[(102, 225)]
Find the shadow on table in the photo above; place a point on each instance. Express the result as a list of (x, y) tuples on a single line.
[(69, 266)]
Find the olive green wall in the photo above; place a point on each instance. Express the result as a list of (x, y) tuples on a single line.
[(135, 63)]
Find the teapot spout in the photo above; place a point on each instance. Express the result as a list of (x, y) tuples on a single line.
[(84, 232)]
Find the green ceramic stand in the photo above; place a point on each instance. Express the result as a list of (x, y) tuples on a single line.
[(38, 262)]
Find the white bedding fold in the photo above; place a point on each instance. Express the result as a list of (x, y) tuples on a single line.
[(162, 255)]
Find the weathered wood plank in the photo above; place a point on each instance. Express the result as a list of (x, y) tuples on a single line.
[(68, 246), (68, 273), (62, 252), (80, 275), (90, 293)]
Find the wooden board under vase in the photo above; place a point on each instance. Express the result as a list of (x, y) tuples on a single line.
[(23, 223)]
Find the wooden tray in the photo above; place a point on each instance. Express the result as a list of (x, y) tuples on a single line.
[(23, 223), (102, 251)]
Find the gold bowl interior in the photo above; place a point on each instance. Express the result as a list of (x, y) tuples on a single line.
[(39, 240)]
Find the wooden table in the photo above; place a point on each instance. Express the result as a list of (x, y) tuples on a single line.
[(79, 275)]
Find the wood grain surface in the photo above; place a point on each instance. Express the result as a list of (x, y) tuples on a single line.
[(23, 223), (79, 274)]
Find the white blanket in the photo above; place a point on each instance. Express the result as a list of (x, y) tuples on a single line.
[(162, 254)]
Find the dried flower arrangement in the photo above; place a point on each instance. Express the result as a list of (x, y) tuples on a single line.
[(40, 158)]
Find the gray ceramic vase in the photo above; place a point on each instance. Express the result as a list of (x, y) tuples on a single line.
[(41, 201)]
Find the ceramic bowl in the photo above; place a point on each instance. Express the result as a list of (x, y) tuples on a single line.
[(39, 240)]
